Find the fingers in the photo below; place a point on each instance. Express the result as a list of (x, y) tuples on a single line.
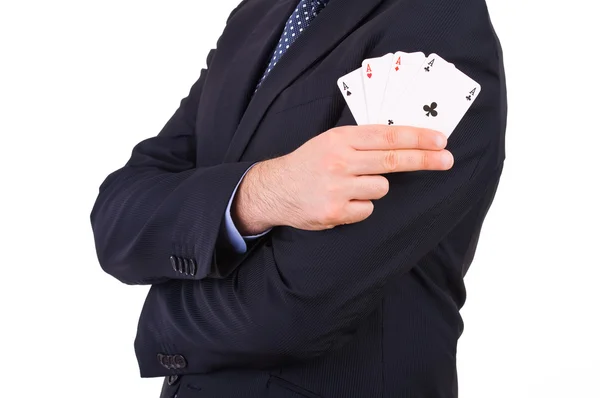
[(358, 210), (391, 161), (381, 137), (367, 187)]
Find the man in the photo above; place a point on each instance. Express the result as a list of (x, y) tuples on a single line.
[(292, 253)]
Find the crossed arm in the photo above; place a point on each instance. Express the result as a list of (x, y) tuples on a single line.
[(252, 309)]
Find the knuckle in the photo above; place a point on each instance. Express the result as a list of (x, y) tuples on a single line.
[(334, 164), (391, 161), (391, 137), (360, 213), (419, 139), (424, 160), (331, 214), (333, 136), (333, 190), (343, 133), (382, 187), (368, 209)]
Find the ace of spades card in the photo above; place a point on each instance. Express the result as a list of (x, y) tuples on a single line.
[(351, 86), (437, 98)]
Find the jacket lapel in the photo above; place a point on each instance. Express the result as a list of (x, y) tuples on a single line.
[(235, 71), (334, 23)]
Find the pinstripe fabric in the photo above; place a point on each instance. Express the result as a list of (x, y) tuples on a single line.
[(361, 310)]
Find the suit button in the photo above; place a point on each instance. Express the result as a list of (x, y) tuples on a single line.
[(173, 260), (172, 379), (179, 362), (186, 266), (193, 267), (165, 360), (180, 265)]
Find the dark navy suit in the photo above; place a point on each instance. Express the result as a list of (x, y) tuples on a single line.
[(362, 310)]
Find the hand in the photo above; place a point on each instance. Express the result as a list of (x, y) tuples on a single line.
[(333, 178)]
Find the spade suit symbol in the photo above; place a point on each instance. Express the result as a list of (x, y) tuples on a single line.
[(347, 89)]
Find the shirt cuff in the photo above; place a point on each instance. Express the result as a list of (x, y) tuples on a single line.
[(237, 241)]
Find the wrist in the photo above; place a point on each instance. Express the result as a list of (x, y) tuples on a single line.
[(255, 206)]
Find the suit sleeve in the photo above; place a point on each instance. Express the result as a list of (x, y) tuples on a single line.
[(159, 217), (299, 294)]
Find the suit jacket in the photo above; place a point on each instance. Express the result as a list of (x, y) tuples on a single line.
[(362, 310)]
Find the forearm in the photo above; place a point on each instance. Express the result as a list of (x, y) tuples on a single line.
[(144, 216)]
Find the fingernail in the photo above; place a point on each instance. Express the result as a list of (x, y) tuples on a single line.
[(447, 159), (440, 141)]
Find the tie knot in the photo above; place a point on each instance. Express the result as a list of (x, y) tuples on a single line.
[(316, 5)]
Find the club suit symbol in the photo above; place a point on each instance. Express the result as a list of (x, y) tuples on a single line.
[(430, 109)]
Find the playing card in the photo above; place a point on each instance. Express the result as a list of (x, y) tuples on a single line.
[(402, 71), (375, 72), (437, 98), (351, 86)]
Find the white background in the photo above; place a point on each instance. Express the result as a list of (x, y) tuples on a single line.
[(81, 82)]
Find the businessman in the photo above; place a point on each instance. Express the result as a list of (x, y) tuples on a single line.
[(292, 253)]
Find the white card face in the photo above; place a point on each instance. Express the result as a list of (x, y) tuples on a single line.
[(437, 98), (375, 72), (351, 86), (402, 71)]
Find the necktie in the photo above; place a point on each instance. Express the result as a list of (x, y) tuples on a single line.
[(303, 15)]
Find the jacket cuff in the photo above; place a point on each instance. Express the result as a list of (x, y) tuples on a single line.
[(200, 219)]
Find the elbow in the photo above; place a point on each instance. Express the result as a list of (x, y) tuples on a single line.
[(120, 270), (116, 256), (116, 262), (117, 248)]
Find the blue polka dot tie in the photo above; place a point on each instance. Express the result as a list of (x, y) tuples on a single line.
[(303, 15)]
